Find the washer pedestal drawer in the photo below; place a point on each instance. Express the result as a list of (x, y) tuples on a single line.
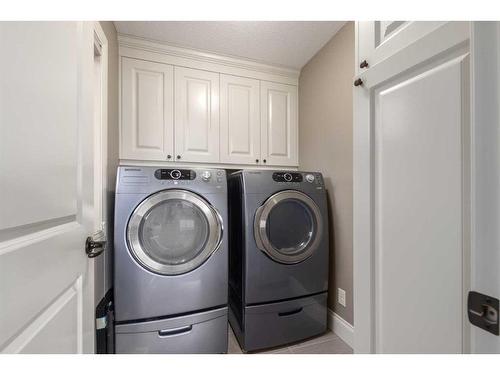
[(281, 323), (198, 333)]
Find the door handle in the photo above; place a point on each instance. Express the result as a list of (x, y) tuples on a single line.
[(175, 331), (291, 312), (95, 244), (482, 311)]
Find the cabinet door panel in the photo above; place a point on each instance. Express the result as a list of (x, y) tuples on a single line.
[(196, 115), (419, 163), (240, 120), (279, 124), (147, 110), (378, 40)]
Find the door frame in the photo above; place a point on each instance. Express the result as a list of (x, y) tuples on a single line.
[(485, 172), (441, 40), (101, 129)]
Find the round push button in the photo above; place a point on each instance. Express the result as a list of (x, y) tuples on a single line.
[(310, 178)]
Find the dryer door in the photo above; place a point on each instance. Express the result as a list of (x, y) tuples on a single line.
[(288, 227), (173, 232)]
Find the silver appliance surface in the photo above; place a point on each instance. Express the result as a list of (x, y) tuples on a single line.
[(279, 254), (170, 251)]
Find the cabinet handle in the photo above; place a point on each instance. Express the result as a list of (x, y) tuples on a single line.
[(256, 160), (169, 156), (358, 82), (178, 156), (364, 64), (264, 160)]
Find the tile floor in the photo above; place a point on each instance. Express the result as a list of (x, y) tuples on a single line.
[(328, 343)]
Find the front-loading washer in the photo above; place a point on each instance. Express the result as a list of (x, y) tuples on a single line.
[(279, 252), (170, 260)]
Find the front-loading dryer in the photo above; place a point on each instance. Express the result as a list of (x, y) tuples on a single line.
[(278, 277), (170, 260)]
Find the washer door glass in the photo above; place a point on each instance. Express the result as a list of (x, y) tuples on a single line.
[(173, 232), (288, 227)]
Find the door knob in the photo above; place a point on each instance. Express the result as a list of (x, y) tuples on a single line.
[(256, 160), (364, 64), (358, 82), (178, 157), (95, 244), (169, 156)]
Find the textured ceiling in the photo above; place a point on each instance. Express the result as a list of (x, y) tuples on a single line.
[(286, 43)]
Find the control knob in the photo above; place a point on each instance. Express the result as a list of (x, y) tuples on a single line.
[(175, 174), (206, 175), (287, 177)]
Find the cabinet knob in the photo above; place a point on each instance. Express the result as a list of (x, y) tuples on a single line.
[(364, 64), (256, 160), (169, 156), (178, 156), (264, 160), (358, 82)]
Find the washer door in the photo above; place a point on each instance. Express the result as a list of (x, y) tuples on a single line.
[(173, 232), (288, 227)]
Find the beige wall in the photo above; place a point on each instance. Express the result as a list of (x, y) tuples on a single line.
[(325, 145)]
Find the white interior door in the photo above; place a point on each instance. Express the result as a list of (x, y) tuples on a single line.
[(485, 273), (412, 198), (419, 210), (46, 187)]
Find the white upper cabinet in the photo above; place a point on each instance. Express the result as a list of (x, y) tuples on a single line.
[(196, 115), (184, 106), (279, 128), (240, 120), (377, 40), (147, 110)]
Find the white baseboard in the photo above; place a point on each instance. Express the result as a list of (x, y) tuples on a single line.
[(341, 328)]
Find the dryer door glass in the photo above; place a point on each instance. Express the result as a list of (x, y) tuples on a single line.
[(288, 227), (173, 232)]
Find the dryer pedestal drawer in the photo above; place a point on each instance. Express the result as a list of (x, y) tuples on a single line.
[(281, 323), (190, 334)]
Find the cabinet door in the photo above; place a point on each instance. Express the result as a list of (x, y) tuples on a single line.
[(240, 120), (196, 115), (378, 40), (147, 110), (412, 197), (279, 129)]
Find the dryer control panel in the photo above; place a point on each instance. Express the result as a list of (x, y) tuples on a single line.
[(287, 177), (175, 174)]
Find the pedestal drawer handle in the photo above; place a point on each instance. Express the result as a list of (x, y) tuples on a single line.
[(175, 331), (291, 312)]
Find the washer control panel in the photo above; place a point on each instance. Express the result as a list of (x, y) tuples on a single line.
[(287, 177), (175, 174)]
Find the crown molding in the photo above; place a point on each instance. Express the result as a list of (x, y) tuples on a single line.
[(147, 45)]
